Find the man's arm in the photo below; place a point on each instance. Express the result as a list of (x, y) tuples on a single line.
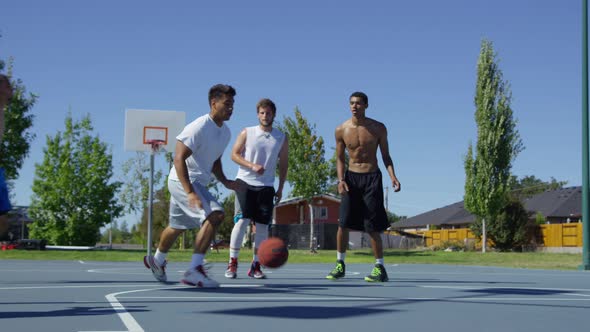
[(220, 176), (387, 161), (340, 160), (181, 153), (238, 151), (283, 168)]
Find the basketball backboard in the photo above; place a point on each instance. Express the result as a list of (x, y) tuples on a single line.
[(143, 127)]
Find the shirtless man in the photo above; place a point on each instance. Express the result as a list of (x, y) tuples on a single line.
[(360, 186)]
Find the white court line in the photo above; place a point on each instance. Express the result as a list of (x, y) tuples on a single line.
[(346, 299), (260, 298), (130, 323)]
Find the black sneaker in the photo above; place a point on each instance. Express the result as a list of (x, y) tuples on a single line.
[(378, 274), (338, 272)]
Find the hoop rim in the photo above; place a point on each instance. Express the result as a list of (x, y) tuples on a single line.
[(156, 144)]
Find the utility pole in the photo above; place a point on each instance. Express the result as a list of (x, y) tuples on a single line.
[(387, 199), (585, 176)]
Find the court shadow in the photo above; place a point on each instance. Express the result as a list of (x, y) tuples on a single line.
[(303, 312), (151, 282), (70, 312), (460, 282), (517, 291), (267, 288)]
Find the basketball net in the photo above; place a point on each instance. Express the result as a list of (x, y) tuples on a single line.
[(156, 144)]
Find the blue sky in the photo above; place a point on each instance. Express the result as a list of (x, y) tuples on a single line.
[(416, 60)]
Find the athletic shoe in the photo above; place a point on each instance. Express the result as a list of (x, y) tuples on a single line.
[(338, 272), (378, 274), (198, 277), (159, 271), (232, 269), (255, 272)]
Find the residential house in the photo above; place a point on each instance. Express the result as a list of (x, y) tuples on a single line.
[(292, 221), (557, 206)]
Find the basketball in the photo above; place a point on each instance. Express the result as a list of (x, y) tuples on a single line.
[(273, 252)]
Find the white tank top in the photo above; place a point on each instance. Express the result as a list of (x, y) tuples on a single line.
[(261, 148), (207, 141)]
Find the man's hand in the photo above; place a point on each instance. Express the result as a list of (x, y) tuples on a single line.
[(396, 185), (194, 201), (278, 196), (258, 169), (342, 187)]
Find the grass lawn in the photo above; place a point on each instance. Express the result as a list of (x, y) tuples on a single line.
[(530, 260)]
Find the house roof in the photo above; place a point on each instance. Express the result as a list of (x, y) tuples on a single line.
[(564, 202), (295, 200)]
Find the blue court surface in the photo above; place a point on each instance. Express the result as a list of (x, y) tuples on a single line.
[(109, 296)]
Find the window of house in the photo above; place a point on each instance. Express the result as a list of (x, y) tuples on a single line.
[(320, 212)]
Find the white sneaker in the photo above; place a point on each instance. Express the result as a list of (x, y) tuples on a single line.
[(198, 277), (232, 269), (158, 271)]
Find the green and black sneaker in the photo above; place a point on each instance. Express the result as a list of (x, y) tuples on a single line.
[(338, 272), (378, 274)]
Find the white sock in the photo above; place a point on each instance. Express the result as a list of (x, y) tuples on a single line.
[(160, 257), (197, 260), (340, 256), (233, 253), (255, 258), (379, 261)]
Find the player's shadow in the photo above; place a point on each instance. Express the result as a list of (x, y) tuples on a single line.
[(149, 282), (460, 282), (70, 312), (517, 291), (266, 288), (303, 312)]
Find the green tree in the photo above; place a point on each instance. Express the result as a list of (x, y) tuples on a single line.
[(529, 185), (487, 173), (333, 173), (308, 170), (73, 196), (392, 217), (135, 190), (160, 216), (17, 138), (509, 229)]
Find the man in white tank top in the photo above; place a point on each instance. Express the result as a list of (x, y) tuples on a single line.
[(197, 156), (256, 151)]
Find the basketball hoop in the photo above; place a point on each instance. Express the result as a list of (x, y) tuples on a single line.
[(156, 144)]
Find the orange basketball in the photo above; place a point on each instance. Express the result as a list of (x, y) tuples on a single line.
[(273, 252)]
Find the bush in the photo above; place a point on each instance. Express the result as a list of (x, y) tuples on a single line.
[(450, 246), (509, 230)]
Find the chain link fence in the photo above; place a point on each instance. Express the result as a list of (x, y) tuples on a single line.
[(298, 237)]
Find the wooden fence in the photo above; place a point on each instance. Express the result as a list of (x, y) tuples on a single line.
[(554, 235)]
